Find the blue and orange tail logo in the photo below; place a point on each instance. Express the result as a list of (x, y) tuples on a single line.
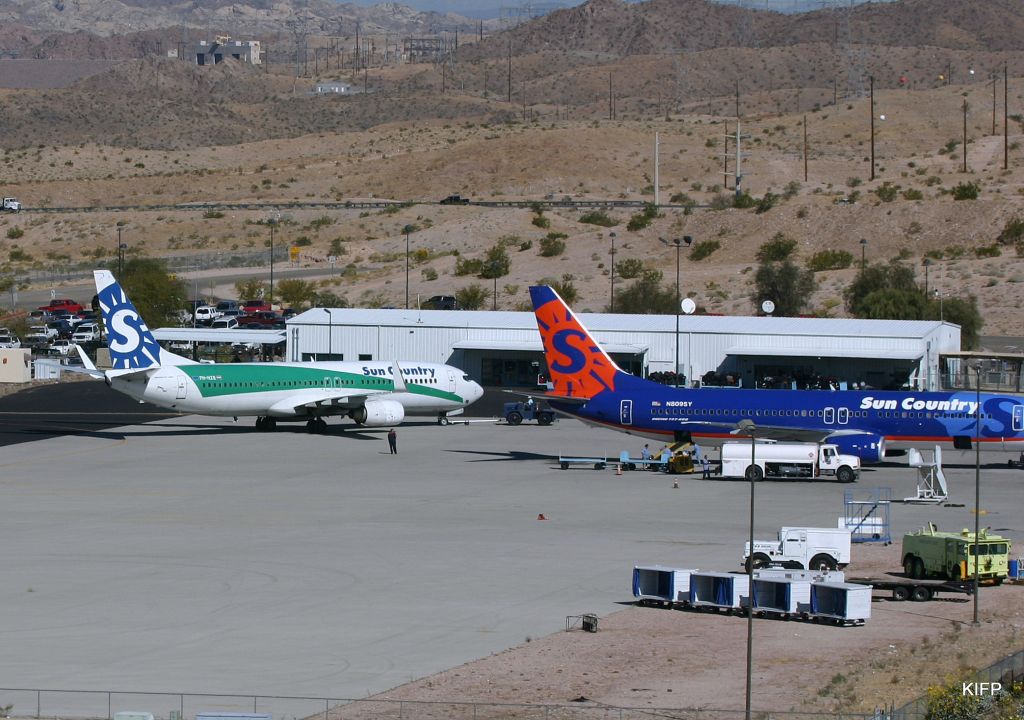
[(132, 345), (578, 365)]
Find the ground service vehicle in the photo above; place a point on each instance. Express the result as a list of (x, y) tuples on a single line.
[(951, 556), (516, 412), (798, 548), (11, 205), (788, 460)]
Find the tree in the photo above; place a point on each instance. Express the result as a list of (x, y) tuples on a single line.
[(472, 297), (250, 289), (785, 284), (778, 248), (894, 275), (895, 304), (296, 293), (564, 287), (495, 263), (157, 296), (647, 297), (963, 312), (329, 299)]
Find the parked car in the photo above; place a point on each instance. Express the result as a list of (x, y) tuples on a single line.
[(234, 312), (289, 312), (441, 302), (9, 340), (261, 320), (206, 314), (40, 316), (252, 306), (61, 327), (225, 305), (455, 200), (225, 323), (67, 317), (39, 336), (86, 332), (61, 347), (63, 304)]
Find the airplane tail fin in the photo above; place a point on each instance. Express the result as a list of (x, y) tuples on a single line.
[(132, 345), (579, 368)]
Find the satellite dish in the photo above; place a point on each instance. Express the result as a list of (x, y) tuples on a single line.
[(768, 306), (688, 306)]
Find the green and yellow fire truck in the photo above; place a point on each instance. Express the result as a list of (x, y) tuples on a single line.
[(930, 553)]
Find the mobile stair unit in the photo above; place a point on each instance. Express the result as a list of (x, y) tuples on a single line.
[(866, 516), (842, 603), (718, 590), (660, 585)]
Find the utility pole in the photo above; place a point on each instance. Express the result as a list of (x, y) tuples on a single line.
[(656, 158), (805, 148), (965, 134), (510, 71), (1006, 127), (871, 78), (611, 109)]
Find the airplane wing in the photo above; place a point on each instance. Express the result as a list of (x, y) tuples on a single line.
[(571, 399), (318, 397)]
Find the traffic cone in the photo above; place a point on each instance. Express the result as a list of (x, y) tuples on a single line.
[(618, 469), (541, 517)]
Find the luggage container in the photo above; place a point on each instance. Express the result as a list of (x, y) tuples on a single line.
[(657, 584), (841, 602), (718, 590), (781, 596)]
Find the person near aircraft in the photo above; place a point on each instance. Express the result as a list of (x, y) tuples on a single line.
[(393, 441)]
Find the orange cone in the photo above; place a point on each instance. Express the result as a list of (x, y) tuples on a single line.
[(541, 517)]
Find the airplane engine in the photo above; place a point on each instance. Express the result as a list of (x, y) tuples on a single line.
[(378, 413), (869, 447)]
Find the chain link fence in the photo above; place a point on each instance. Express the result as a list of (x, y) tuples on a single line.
[(95, 705)]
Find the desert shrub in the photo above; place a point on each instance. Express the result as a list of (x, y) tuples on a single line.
[(766, 203), (541, 222), (966, 191), (18, 255), (853, 181), (472, 297), (830, 260), (743, 201), (721, 201), (887, 192), (468, 266), (525, 245), (15, 232), (552, 244), (429, 273), (682, 199), (989, 251), (778, 248), (643, 218), (629, 268), (598, 217), (213, 214), (303, 241), (1012, 232), (704, 249), (913, 194)]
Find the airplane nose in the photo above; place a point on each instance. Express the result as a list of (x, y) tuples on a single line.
[(478, 391)]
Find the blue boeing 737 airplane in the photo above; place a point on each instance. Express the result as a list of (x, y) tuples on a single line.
[(589, 385)]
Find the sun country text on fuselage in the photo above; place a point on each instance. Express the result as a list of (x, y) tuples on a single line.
[(588, 385)]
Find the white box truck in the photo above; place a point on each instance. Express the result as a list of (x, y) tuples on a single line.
[(788, 460), (800, 548), (11, 205)]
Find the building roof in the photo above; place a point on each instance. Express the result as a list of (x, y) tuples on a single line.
[(602, 322)]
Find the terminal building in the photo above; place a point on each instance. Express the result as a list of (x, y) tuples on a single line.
[(504, 348)]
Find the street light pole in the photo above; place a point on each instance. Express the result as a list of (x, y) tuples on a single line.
[(872, 79), (273, 224), (863, 245), (611, 305), (748, 427), (677, 243), (407, 229), (120, 253), (977, 483), (330, 332), (927, 263)]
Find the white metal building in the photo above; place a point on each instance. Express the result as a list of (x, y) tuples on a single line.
[(504, 348)]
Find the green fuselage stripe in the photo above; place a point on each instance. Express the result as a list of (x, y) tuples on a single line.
[(223, 379)]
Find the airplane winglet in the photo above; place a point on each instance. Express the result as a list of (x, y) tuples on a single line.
[(399, 380), (86, 362)]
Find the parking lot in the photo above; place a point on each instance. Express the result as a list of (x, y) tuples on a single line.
[(195, 555)]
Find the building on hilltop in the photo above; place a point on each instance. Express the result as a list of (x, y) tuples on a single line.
[(331, 88), (223, 48)]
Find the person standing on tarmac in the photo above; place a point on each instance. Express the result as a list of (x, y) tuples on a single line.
[(393, 441)]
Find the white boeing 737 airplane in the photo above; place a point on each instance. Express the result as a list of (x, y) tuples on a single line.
[(375, 394)]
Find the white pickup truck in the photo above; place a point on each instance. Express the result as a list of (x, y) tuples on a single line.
[(11, 205), (40, 335)]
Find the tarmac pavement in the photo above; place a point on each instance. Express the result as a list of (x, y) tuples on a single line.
[(196, 555)]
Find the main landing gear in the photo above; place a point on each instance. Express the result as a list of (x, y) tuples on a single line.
[(316, 425), (265, 424)]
